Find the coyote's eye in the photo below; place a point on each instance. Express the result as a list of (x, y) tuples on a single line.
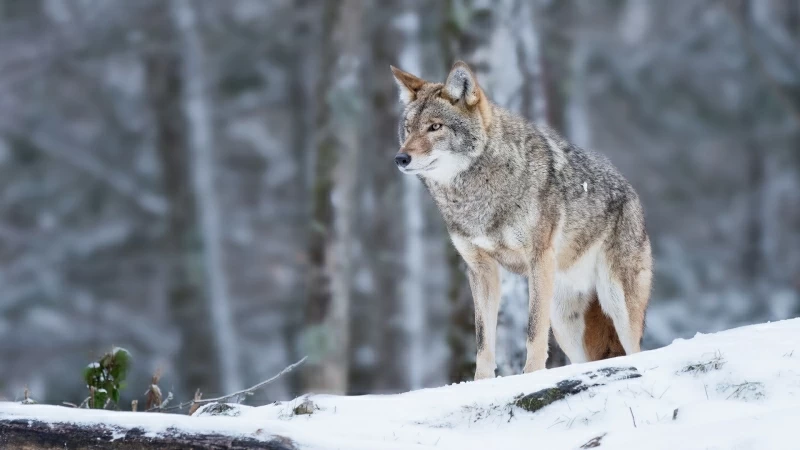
[(435, 127)]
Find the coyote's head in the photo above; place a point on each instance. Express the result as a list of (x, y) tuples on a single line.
[(443, 127)]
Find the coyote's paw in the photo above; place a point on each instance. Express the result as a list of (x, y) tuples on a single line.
[(481, 374), (532, 367)]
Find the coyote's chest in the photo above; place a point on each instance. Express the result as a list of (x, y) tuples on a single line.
[(510, 253), (499, 230), (497, 218), (476, 210)]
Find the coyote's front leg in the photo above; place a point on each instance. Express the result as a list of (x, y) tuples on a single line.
[(484, 281), (540, 294)]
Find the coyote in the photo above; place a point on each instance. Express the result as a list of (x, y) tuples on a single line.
[(520, 196)]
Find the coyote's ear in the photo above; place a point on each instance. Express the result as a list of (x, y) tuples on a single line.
[(462, 85), (408, 84)]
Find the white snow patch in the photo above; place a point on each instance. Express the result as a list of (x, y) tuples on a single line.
[(117, 434), (735, 389), (120, 349)]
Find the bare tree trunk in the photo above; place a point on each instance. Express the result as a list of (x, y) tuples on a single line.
[(752, 257), (753, 238), (399, 233), (384, 340), (414, 301), (327, 315), (461, 328), (201, 139), (579, 127), (302, 110), (189, 313)]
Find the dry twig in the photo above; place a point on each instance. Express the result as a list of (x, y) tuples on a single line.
[(27, 400), (85, 402), (197, 397), (153, 393), (237, 394)]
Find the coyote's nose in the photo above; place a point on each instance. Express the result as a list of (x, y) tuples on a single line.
[(402, 159)]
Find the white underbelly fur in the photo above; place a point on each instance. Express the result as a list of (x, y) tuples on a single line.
[(570, 300), (580, 277)]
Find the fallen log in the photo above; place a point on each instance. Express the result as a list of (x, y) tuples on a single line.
[(565, 388), (25, 434)]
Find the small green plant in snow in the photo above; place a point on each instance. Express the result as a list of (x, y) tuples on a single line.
[(105, 378)]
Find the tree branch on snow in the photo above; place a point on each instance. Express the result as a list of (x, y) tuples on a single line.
[(237, 395)]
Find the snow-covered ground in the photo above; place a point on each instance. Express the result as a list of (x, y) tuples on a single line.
[(738, 389)]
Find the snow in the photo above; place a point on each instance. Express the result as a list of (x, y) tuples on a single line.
[(734, 389), (120, 349)]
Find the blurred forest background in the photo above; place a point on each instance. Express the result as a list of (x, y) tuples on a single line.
[(210, 184)]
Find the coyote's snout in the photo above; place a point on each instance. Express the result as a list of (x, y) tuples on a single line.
[(517, 195)]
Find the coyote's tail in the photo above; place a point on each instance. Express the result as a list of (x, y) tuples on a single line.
[(600, 340)]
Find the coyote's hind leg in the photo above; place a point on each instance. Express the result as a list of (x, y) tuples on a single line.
[(568, 322)]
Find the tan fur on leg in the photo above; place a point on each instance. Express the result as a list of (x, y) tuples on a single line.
[(540, 287), (637, 293), (484, 281)]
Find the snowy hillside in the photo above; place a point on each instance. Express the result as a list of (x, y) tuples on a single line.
[(736, 389)]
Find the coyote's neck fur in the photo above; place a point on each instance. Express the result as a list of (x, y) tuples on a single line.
[(497, 185)]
